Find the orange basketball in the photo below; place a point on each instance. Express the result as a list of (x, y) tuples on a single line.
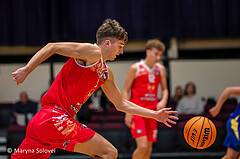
[(200, 132)]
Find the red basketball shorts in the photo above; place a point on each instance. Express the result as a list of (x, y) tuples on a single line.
[(49, 129), (144, 127)]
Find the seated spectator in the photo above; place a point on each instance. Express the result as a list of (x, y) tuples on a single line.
[(85, 113), (173, 101), (190, 103), (24, 109), (96, 103), (178, 94), (98, 100)]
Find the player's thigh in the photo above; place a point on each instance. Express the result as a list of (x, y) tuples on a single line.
[(96, 146), (139, 127), (231, 154), (238, 156)]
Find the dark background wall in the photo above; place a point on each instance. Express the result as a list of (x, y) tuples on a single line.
[(36, 22)]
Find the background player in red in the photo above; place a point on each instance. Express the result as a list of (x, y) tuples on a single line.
[(143, 79), (85, 71)]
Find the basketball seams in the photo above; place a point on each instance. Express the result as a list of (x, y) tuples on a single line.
[(191, 127), (200, 132), (215, 132), (210, 133)]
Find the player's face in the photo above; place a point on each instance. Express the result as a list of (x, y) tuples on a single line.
[(115, 48), (154, 55)]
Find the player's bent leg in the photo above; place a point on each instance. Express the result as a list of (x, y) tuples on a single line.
[(141, 149), (231, 154), (97, 147)]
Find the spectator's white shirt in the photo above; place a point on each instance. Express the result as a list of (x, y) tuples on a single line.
[(190, 105)]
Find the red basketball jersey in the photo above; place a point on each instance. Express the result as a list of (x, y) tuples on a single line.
[(145, 85), (74, 84)]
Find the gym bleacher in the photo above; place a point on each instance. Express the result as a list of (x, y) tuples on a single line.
[(110, 124)]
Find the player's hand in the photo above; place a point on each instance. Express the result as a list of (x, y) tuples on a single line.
[(160, 105), (214, 111), (20, 75), (166, 116), (128, 120)]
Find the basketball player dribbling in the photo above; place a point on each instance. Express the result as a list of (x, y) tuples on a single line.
[(53, 127), (142, 80)]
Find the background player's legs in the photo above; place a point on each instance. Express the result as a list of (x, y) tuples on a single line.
[(149, 150), (97, 147), (142, 148), (231, 154), (151, 127)]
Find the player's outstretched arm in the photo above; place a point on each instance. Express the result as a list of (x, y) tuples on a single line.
[(165, 115), (223, 97), (84, 51)]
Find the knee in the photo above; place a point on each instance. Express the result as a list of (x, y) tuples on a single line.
[(113, 153), (149, 149), (142, 148), (110, 154)]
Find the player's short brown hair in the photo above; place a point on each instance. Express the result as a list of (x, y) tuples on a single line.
[(111, 29), (155, 43)]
